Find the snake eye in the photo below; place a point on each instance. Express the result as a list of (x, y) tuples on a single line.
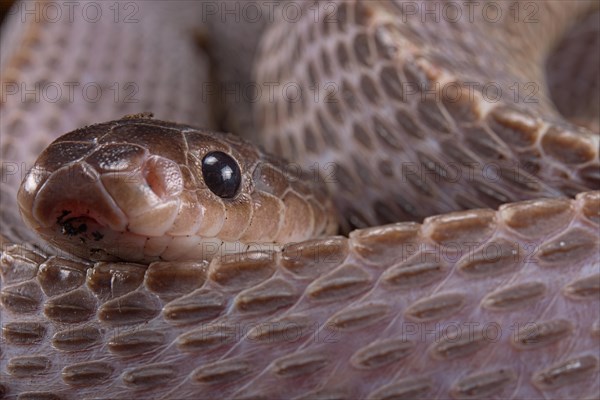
[(221, 174)]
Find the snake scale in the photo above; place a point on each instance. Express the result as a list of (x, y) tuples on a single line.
[(421, 111)]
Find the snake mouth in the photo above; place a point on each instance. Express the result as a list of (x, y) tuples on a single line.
[(71, 209), (82, 233), (80, 230), (67, 194), (78, 225)]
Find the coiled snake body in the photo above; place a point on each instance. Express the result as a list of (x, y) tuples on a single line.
[(174, 282)]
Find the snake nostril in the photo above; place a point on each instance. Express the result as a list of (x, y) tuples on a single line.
[(163, 176)]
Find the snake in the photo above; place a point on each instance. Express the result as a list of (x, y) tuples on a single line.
[(432, 234)]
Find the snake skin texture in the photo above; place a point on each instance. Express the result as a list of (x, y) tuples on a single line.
[(496, 303), (400, 311), (424, 107)]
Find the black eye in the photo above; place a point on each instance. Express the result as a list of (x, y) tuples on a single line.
[(221, 174)]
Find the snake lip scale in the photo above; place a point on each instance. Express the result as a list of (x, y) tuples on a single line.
[(177, 262)]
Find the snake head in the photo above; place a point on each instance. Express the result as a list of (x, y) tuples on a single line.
[(142, 190)]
